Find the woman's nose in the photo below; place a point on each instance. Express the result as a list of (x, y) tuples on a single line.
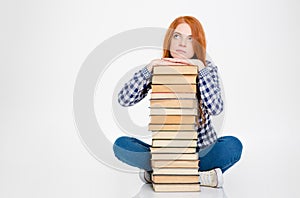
[(182, 42)]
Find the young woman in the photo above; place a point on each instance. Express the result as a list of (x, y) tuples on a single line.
[(184, 43)]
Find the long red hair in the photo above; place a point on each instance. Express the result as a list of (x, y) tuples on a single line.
[(199, 45), (198, 35)]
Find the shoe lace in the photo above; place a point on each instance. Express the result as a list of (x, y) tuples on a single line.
[(206, 178)]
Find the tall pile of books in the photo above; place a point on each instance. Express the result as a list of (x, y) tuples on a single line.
[(173, 116)]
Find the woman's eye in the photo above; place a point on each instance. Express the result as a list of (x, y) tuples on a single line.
[(190, 38), (176, 36)]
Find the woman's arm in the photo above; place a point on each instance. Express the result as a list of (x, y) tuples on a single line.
[(209, 89), (136, 88)]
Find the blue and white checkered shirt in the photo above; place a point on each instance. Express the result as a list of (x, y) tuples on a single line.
[(212, 104)]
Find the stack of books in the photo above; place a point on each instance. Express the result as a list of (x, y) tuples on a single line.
[(173, 116)]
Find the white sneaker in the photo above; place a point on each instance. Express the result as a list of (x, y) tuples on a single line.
[(145, 176), (211, 178)]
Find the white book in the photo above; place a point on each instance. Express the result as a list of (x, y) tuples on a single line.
[(164, 111), (174, 143), (176, 187), (174, 156), (173, 150), (175, 171)]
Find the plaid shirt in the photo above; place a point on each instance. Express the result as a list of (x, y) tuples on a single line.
[(208, 86)]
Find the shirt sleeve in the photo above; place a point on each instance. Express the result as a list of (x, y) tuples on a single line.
[(210, 90), (136, 88)]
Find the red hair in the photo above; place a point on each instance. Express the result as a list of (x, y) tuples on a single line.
[(199, 45), (198, 35)]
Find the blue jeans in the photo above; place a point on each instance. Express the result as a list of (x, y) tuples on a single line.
[(223, 154)]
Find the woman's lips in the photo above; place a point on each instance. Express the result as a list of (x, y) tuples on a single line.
[(180, 51)]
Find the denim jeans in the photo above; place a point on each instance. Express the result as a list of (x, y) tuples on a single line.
[(223, 154)]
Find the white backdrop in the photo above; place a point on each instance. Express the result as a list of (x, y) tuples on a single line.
[(44, 43)]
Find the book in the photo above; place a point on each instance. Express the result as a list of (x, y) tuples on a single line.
[(170, 95), (176, 187), (174, 156), (173, 119), (175, 69), (175, 171), (174, 143), (171, 127), (173, 149), (188, 135), (174, 79), (173, 103), (175, 179), (174, 88), (174, 163), (180, 111)]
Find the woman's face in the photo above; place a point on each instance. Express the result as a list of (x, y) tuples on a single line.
[(182, 42)]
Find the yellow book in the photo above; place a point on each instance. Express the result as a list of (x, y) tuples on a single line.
[(174, 88), (175, 69), (173, 119), (164, 111), (174, 79), (170, 95), (171, 127), (177, 179), (173, 103), (189, 135), (175, 163)]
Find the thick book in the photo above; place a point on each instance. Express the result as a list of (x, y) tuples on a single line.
[(173, 119), (164, 111), (175, 171), (173, 149), (188, 135), (174, 143), (171, 127), (164, 95), (195, 187), (174, 88), (174, 156), (173, 103), (175, 163), (175, 69), (174, 79), (175, 179)]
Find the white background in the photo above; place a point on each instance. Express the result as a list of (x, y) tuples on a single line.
[(43, 44)]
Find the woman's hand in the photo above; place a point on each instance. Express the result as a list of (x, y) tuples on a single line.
[(161, 61), (197, 62)]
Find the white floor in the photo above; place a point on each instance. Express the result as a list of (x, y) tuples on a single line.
[(146, 191)]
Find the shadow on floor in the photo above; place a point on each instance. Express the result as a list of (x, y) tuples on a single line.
[(147, 191)]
